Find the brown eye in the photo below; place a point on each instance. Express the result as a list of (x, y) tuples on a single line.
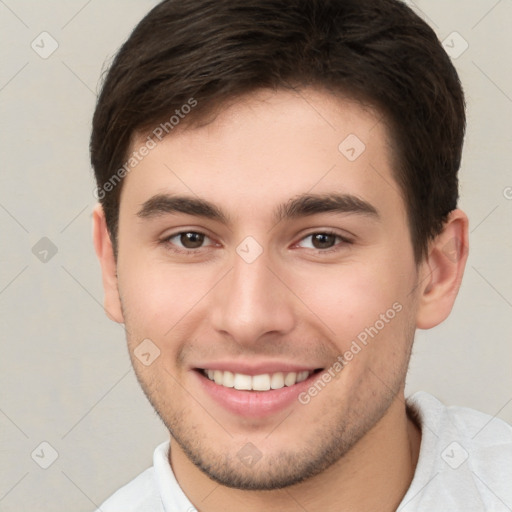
[(191, 239), (323, 240)]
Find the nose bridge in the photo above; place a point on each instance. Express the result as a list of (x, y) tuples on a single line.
[(251, 302)]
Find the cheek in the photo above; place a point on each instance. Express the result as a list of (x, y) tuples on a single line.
[(157, 296), (359, 302), (347, 296)]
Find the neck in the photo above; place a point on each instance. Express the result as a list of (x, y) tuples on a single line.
[(373, 476)]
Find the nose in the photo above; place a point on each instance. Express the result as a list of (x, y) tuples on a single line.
[(252, 302)]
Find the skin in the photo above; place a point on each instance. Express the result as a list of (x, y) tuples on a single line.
[(353, 444)]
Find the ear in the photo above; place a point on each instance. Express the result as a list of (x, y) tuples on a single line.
[(442, 271), (105, 253)]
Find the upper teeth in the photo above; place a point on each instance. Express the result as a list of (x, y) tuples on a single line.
[(262, 382)]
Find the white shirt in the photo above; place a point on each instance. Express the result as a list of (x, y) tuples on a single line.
[(465, 464)]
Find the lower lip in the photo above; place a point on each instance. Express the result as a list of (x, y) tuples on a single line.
[(254, 404)]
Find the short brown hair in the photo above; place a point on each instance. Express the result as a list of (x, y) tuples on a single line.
[(376, 51)]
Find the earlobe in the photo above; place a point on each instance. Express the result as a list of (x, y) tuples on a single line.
[(442, 271), (105, 253)]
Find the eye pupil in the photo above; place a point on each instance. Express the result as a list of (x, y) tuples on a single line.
[(323, 240), (192, 240)]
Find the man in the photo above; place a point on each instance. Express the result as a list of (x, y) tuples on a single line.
[(278, 215)]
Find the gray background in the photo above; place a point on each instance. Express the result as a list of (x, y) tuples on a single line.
[(65, 375)]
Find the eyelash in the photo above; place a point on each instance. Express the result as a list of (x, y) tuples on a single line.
[(342, 240)]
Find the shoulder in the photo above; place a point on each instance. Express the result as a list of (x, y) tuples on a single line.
[(139, 495), (465, 460), (476, 429)]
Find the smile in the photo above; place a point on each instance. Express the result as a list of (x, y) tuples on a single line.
[(254, 391), (262, 382)]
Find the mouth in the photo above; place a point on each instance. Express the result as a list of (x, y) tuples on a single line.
[(253, 393), (261, 382)]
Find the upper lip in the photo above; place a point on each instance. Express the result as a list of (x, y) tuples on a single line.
[(248, 368)]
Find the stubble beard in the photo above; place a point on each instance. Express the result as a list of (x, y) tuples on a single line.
[(340, 428)]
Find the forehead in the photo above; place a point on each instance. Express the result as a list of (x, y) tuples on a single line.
[(267, 147)]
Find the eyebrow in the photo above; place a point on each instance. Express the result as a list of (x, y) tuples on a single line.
[(311, 204), (301, 206), (162, 204)]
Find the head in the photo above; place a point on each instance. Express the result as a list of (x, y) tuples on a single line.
[(278, 190)]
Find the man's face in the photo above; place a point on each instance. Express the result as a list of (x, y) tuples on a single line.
[(265, 283)]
